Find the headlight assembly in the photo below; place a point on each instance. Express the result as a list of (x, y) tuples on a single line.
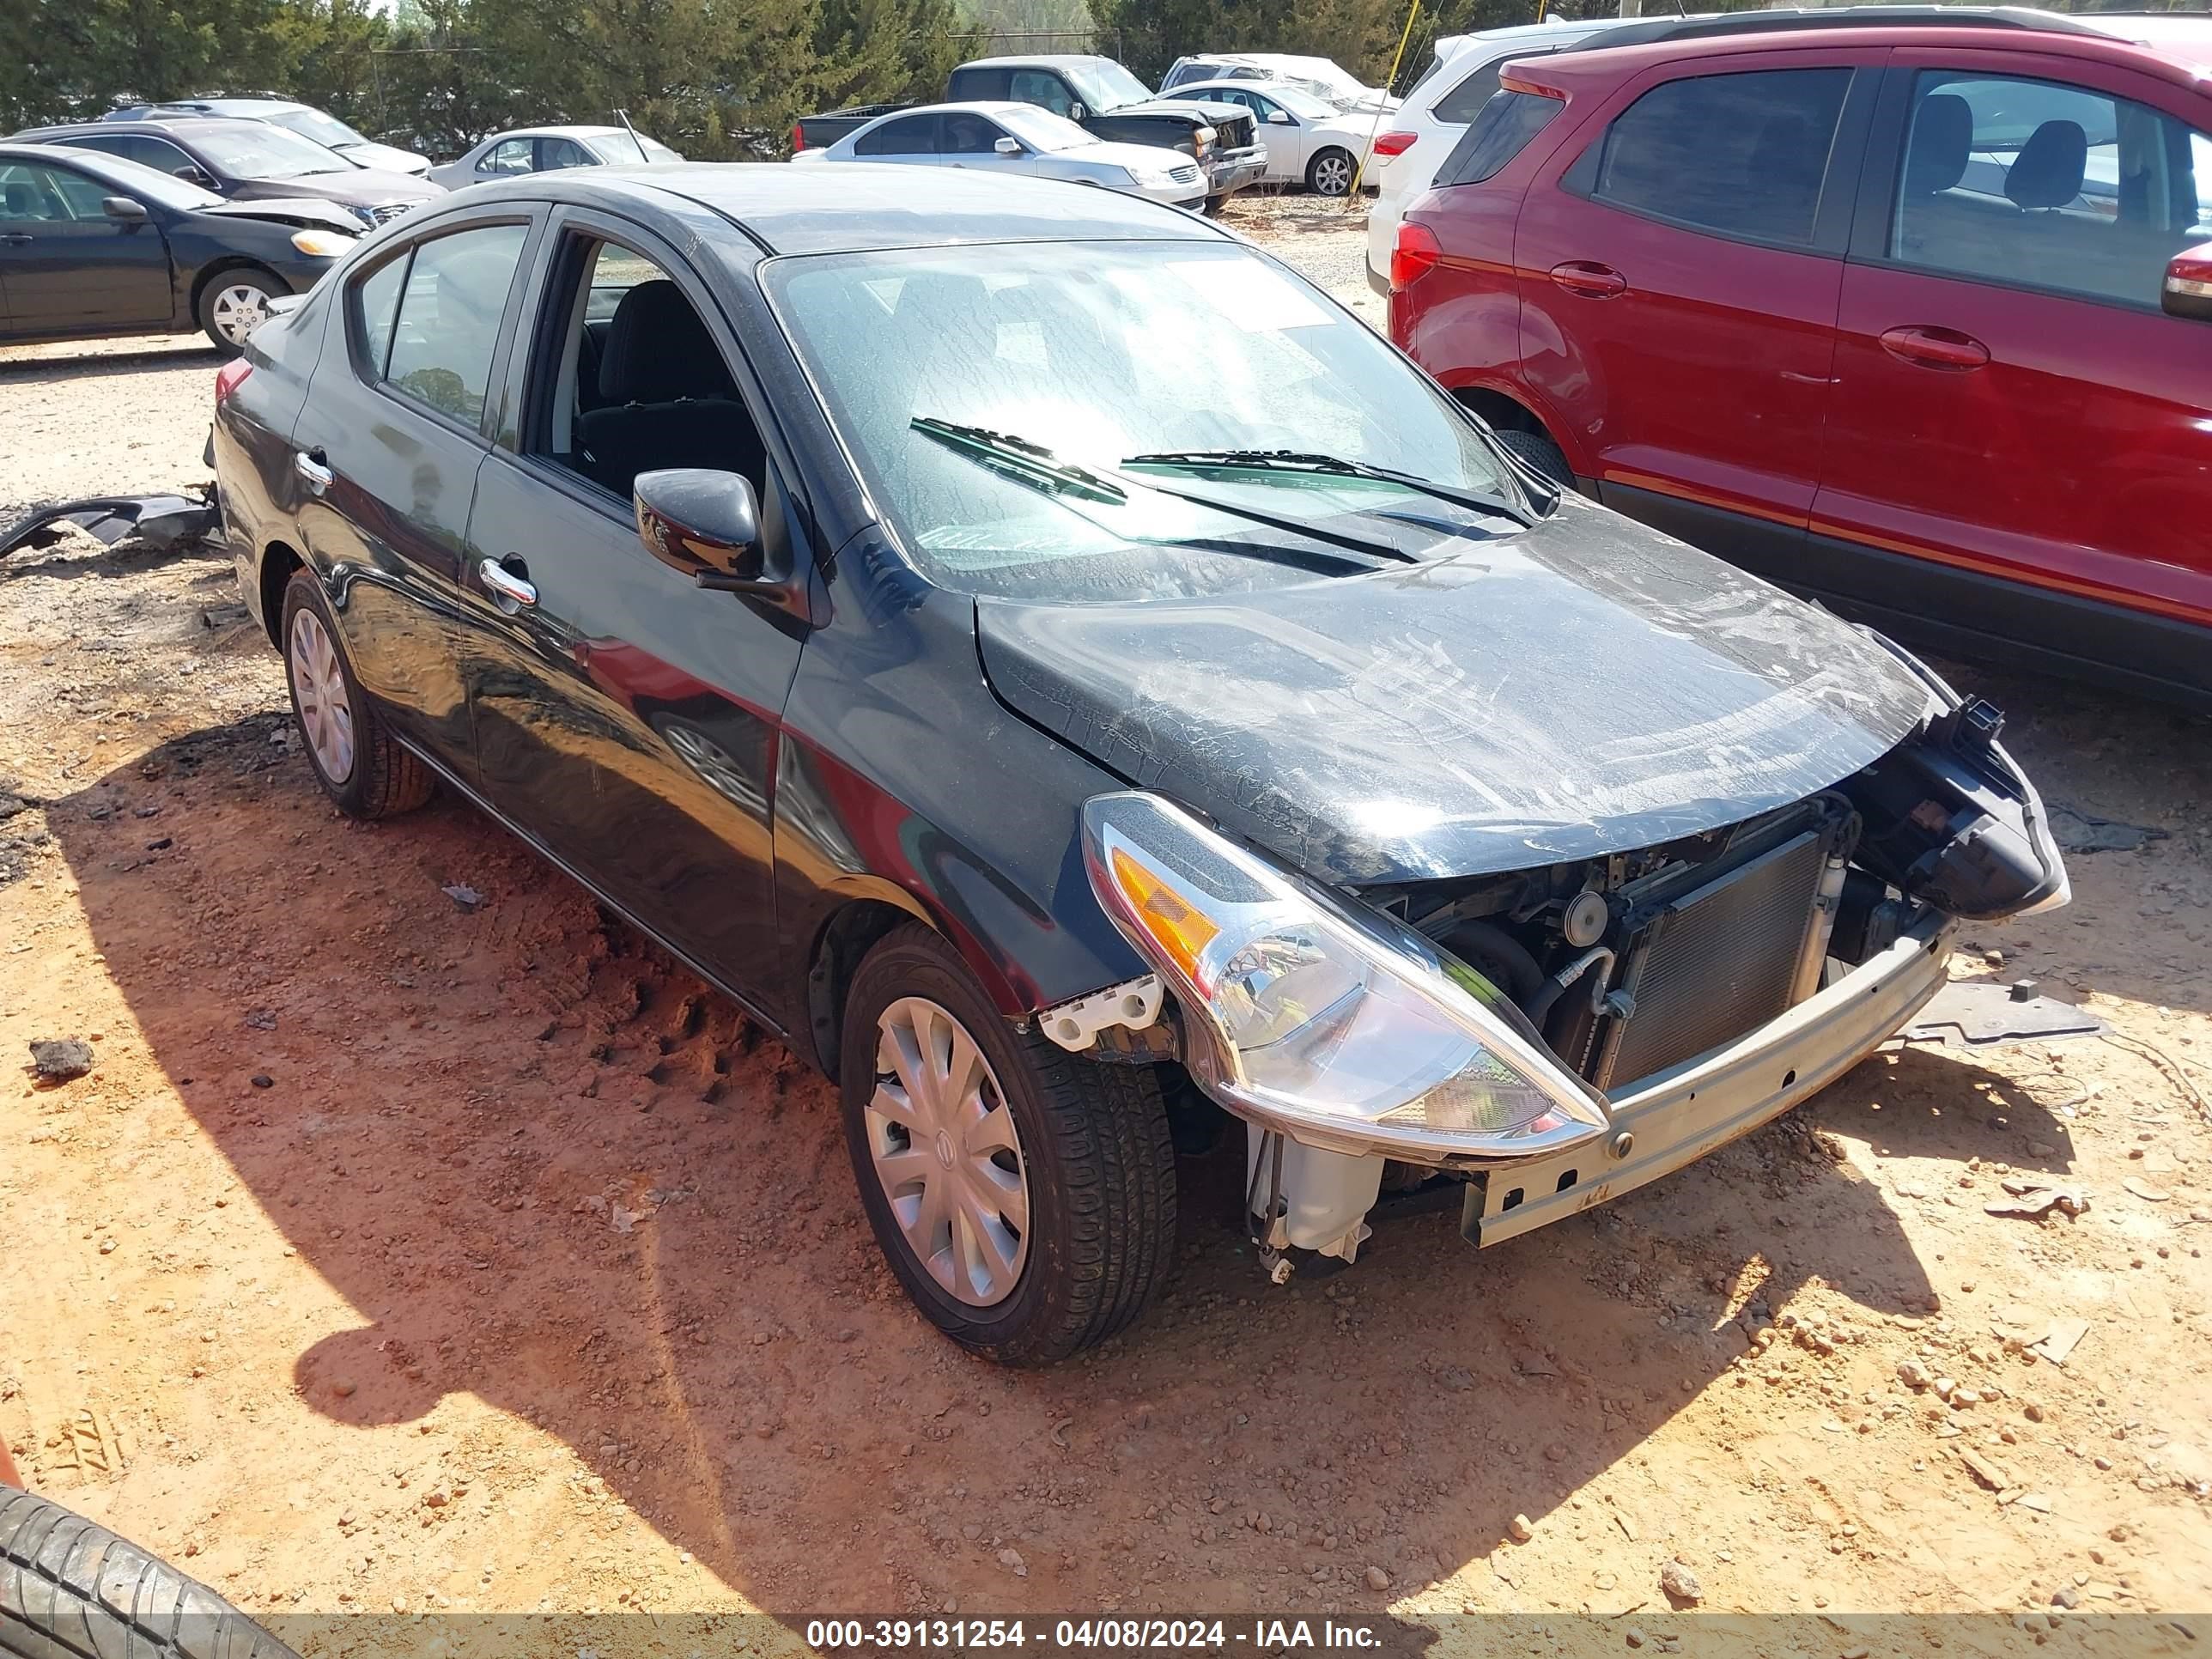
[(1331, 1023), (321, 244)]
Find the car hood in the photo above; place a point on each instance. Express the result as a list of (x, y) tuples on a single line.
[(365, 186), (1195, 109), (303, 211), (1153, 158), (1587, 687), (388, 158)]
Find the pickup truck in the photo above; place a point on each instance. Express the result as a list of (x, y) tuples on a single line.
[(1100, 96)]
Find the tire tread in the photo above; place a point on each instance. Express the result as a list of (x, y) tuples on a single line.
[(72, 1589)]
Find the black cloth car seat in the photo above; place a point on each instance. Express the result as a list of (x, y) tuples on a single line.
[(666, 399)]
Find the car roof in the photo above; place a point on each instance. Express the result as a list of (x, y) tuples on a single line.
[(845, 207), (572, 130), (226, 106), (2006, 28), (2170, 34), (182, 126), (964, 107), (1049, 59)]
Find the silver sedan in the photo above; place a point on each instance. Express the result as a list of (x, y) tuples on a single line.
[(1018, 138)]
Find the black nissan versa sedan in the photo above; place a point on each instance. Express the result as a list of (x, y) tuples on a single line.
[(839, 577)]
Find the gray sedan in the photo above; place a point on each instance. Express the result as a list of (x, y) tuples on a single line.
[(1018, 138), (550, 149)]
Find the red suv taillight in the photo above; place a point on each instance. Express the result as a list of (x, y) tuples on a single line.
[(229, 378), (797, 137), (1393, 144), (1413, 255)]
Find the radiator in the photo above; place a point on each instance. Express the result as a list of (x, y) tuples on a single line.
[(1718, 962)]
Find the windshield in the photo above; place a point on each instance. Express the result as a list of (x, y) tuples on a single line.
[(1103, 84), (1299, 102), (325, 130), (150, 184), (1085, 349), (254, 150), (1040, 128)]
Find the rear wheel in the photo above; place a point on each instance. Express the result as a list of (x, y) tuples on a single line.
[(234, 303), (1329, 172), (1538, 453), (69, 1589), (1025, 1196), (360, 765)]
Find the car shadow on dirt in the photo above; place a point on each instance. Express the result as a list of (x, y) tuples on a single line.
[(549, 1170)]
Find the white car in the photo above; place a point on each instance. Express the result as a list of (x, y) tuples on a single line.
[(1017, 138), (547, 150), (1457, 83), (1310, 141), (1321, 77)]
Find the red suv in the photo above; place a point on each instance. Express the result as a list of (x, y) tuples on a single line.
[(1912, 319)]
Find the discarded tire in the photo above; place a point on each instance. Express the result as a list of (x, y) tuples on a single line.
[(69, 1589)]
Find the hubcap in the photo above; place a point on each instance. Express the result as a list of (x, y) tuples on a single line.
[(944, 1148), (325, 713), (236, 310), (1333, 175)]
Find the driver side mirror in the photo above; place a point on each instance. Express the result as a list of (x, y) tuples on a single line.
[(122, 209), (1008, 146), (1076, 111), (2188, 287), (706, 524), (192, 173), (1277, 117)]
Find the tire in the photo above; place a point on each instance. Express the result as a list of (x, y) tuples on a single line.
[(369, 775), (233, 301), (1329, 172), (69, 1589), (1538, 453), (1093, 1157)]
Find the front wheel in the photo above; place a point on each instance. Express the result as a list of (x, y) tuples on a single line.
[(1025, 1196), (69, 1589), (1329, 172), (234, 303)]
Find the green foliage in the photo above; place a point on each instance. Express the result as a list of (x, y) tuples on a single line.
[(717, 79)]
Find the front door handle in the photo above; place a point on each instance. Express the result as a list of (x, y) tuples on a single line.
[(16, 239), (313, 468), (1589, 279), (1935, 348), (511, 590)]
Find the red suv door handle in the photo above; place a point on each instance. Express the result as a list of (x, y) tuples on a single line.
[(1935, 348), (1591, 281)]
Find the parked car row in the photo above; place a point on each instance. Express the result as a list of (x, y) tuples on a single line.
[(1906, 309)]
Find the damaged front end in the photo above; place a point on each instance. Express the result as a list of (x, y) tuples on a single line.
[(1536, 1042)]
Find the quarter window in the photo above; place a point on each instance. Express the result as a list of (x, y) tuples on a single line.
[(440, 349), (2042, 185), (1744, 155), (915, 135)]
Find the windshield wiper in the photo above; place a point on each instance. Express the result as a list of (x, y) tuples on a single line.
[(1032, 464), (1293, 460), (1024, 461)]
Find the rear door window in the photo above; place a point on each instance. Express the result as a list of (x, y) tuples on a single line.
[(448, 319), (2038, 184), (1742, 156)]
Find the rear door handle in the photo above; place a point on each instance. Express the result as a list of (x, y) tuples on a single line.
[(1935, 348), (16, 238), (511, 590), (1589, 279), (313, 468)]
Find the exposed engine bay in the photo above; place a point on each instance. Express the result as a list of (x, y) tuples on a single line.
[(1629, 967)]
